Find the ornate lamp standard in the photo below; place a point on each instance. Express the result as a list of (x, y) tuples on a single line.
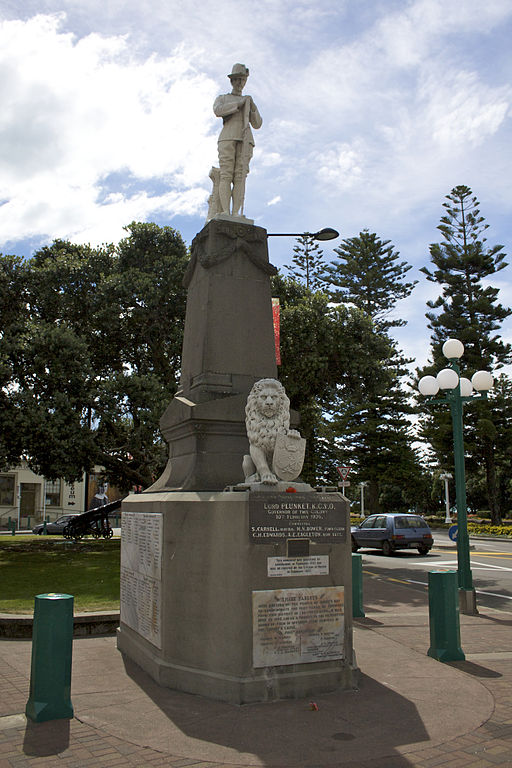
[(458, 390)]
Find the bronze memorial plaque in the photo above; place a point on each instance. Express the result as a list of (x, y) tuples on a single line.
[(278, 516), (297, 626)]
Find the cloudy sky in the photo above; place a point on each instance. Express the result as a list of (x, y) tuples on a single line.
[(372, 111)]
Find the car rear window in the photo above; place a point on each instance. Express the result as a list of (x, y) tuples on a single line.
[(410, 522)]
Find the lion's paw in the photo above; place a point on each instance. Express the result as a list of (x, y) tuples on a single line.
[(269, 478)]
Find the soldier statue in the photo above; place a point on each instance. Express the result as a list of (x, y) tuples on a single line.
[(236, 141)]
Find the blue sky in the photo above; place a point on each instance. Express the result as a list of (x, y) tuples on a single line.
[(372, 111)]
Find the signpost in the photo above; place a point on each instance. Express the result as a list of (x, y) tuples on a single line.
[(343, 472)]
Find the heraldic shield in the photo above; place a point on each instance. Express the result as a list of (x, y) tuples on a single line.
[(288, 456)]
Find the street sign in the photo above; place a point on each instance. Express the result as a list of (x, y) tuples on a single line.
[(344, 484), (343, 471), (452, 532)]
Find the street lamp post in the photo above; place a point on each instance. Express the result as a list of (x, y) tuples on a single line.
[(362, 485), (328, 233), (446, 477), (458, 390)]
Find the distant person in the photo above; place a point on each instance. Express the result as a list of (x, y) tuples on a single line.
[(236, 142)]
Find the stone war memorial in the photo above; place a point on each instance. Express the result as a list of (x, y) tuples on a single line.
[(235, 574)]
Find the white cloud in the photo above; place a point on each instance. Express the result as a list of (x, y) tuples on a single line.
[(75, 111), (275, 200)]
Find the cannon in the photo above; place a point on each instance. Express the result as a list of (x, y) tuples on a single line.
[(94, 522)]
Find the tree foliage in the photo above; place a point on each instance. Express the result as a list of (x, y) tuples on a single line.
[(369, 275), (93, 354), (307, 265), (468, 309)]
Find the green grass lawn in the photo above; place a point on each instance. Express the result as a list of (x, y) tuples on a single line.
[(35, 565)]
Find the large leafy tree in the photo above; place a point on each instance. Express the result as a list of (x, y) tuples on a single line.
[(369, 275), (98, 355), (13, 315), (468, 309)]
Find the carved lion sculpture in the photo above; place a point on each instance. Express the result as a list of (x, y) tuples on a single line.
[(267, 414)]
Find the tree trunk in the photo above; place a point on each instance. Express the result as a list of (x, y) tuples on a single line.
[(373, 501)]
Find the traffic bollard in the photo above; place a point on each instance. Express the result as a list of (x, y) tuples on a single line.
[(357, 586), (52, 647), (13, 528), (443, 609)]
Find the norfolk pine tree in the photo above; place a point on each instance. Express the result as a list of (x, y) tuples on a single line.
[(308, 263), (374, 433), (468, 309)]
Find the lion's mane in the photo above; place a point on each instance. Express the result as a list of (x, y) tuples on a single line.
[(262, 430)]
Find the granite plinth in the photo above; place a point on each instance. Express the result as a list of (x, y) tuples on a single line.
[(197, 635)]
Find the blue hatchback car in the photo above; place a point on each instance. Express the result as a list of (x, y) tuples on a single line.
[(391, 532)]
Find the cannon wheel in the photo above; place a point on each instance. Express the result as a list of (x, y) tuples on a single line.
[(108, 533)]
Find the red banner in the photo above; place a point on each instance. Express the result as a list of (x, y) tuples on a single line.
[(277, 331)]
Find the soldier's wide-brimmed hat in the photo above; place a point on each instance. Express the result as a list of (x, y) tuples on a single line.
[(239, 70)]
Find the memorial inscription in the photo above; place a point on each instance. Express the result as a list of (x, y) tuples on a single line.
[(141, 573), (278, 516), (297, 626), (315, 565)]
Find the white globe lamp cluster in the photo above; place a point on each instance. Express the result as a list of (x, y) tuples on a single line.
[(447, 378)]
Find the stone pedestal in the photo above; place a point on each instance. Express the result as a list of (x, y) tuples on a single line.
[(197, 594), (228, 345)]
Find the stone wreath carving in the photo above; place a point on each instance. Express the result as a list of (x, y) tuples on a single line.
[(229, 239)]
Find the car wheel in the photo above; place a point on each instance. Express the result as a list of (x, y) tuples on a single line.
[(387, 549), (354, 545), (40, 533), (423, 549)]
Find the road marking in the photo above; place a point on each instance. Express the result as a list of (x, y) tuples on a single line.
[(493, 554), (481, 566), (478, 591), (425, 584)]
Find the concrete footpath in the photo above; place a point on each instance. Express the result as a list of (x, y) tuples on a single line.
[(408, 710)]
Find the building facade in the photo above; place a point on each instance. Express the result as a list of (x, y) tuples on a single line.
[(27, 498)]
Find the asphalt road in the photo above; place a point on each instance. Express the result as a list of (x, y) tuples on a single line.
[(491, 566)]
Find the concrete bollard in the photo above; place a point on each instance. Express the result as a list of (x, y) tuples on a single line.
[(357, 586), (443, 609), (52, 647)]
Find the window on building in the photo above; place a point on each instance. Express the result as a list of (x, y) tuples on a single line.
[(53, 493), (7, 490)]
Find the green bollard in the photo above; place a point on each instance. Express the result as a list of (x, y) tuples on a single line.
[(443, 609), (13, 528), (52, 647), (357, 586), (44, 528)]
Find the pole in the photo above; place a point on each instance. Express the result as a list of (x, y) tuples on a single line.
[(52, 648), (467, 594), (447, 517), (362, 499)]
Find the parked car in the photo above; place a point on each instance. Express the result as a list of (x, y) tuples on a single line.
[(391, 532), (55, 528)]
